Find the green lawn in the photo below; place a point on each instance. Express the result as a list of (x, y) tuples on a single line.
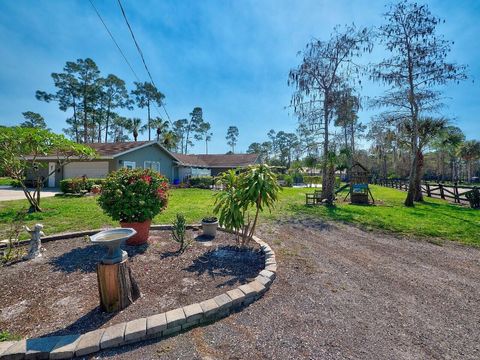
[(5, 181), (434, 218)]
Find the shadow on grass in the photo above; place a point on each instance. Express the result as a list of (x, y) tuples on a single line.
[(85, 259), (229, 261)]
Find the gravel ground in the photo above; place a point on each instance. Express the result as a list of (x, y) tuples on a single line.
[(57, 294), (344, 293)]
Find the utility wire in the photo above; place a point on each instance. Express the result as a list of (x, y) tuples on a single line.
[(141, 55), (115, 41)]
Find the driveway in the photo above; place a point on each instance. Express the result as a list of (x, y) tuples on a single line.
[(345, 293), (10, 193)]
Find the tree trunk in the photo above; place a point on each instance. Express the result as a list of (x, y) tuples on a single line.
[(327, 189), (418, 177), (116, 286), (148, 110)]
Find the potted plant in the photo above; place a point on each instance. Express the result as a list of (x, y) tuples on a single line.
[(134, 197), (209, 226)]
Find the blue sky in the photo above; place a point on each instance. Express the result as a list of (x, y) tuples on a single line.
[(232, 58)]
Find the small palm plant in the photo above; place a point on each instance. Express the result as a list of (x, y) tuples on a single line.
[(254, 189)]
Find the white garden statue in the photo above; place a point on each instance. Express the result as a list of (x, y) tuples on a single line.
[(35, 242)]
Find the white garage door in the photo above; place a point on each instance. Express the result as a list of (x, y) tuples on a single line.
[(92, 169)]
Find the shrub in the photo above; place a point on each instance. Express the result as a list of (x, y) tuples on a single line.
[(179, 231), (255, 188), (313, 180), (201, 182), (79, 184), (134, 195), (473, 198)]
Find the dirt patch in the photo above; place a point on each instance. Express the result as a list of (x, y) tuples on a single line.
[(57, 294), (345, 293)]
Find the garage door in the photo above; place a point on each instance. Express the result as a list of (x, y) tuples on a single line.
[(92, 169)]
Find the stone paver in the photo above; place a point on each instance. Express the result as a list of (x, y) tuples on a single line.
[(175, 318), (39, 348), (263, 280), (89, 342), (4, 345), (173, 330), (16, 351), (65, 347), (236, 295), (267, 274), (156, 324), (136, 329), (257, 286), (113, 336), (223, 301), (193, 312), (247, 290), (209, 307)]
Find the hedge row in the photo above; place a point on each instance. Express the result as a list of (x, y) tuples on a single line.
[(201, 182), (308, 179), (78, 185)]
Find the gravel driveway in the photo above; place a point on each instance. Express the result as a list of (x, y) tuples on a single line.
[(344, 293)]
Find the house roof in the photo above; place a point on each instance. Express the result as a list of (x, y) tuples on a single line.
[(218, 160), (117, 148)]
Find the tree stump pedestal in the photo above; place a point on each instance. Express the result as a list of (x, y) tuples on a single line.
[(116, 286)]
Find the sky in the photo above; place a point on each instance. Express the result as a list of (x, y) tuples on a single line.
[(232, 58)]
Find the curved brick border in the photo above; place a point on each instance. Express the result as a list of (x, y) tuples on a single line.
[(155, 326)]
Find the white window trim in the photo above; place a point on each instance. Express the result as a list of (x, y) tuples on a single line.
[(129, 163), (147, 164)]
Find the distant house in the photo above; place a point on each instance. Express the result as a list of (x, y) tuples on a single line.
[(144, 154)]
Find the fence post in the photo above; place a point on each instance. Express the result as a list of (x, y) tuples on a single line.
[(429, 193), (442, 194), (457, 194)]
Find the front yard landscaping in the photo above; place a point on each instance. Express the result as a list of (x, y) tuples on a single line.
[(433, 218)]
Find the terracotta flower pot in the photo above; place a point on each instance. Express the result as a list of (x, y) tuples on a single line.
[(142, 229)]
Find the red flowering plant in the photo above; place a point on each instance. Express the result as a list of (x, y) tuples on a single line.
[(134, 195)]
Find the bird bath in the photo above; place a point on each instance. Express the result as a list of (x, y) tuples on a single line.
[(112, 239)]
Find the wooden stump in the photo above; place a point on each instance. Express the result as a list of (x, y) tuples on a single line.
[(116, 286)]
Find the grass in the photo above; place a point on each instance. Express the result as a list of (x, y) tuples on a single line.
[(5, 181), (434, 218)]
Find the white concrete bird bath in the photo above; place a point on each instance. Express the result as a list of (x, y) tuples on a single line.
[(112, 239)]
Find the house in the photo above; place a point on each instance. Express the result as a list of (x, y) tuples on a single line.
[(143, 154)]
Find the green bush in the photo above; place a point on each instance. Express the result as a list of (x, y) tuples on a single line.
[(285, 180), (134, 195), (79, 184), (201, 182), (473, 198), (314, 180)]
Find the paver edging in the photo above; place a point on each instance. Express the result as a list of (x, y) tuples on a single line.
[(181, 319)]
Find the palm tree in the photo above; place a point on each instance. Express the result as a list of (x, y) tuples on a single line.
[(161, 126), (470, 152), (134, 125), (170, 140)]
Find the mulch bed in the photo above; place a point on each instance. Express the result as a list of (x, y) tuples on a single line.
[(57, 294)]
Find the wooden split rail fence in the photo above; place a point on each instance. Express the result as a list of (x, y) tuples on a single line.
[(452, 192)]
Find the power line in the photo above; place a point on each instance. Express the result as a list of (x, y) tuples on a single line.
[(115, 41), (141, 55)]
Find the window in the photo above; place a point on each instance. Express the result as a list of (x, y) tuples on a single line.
[(154, 165), (129, 165)]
